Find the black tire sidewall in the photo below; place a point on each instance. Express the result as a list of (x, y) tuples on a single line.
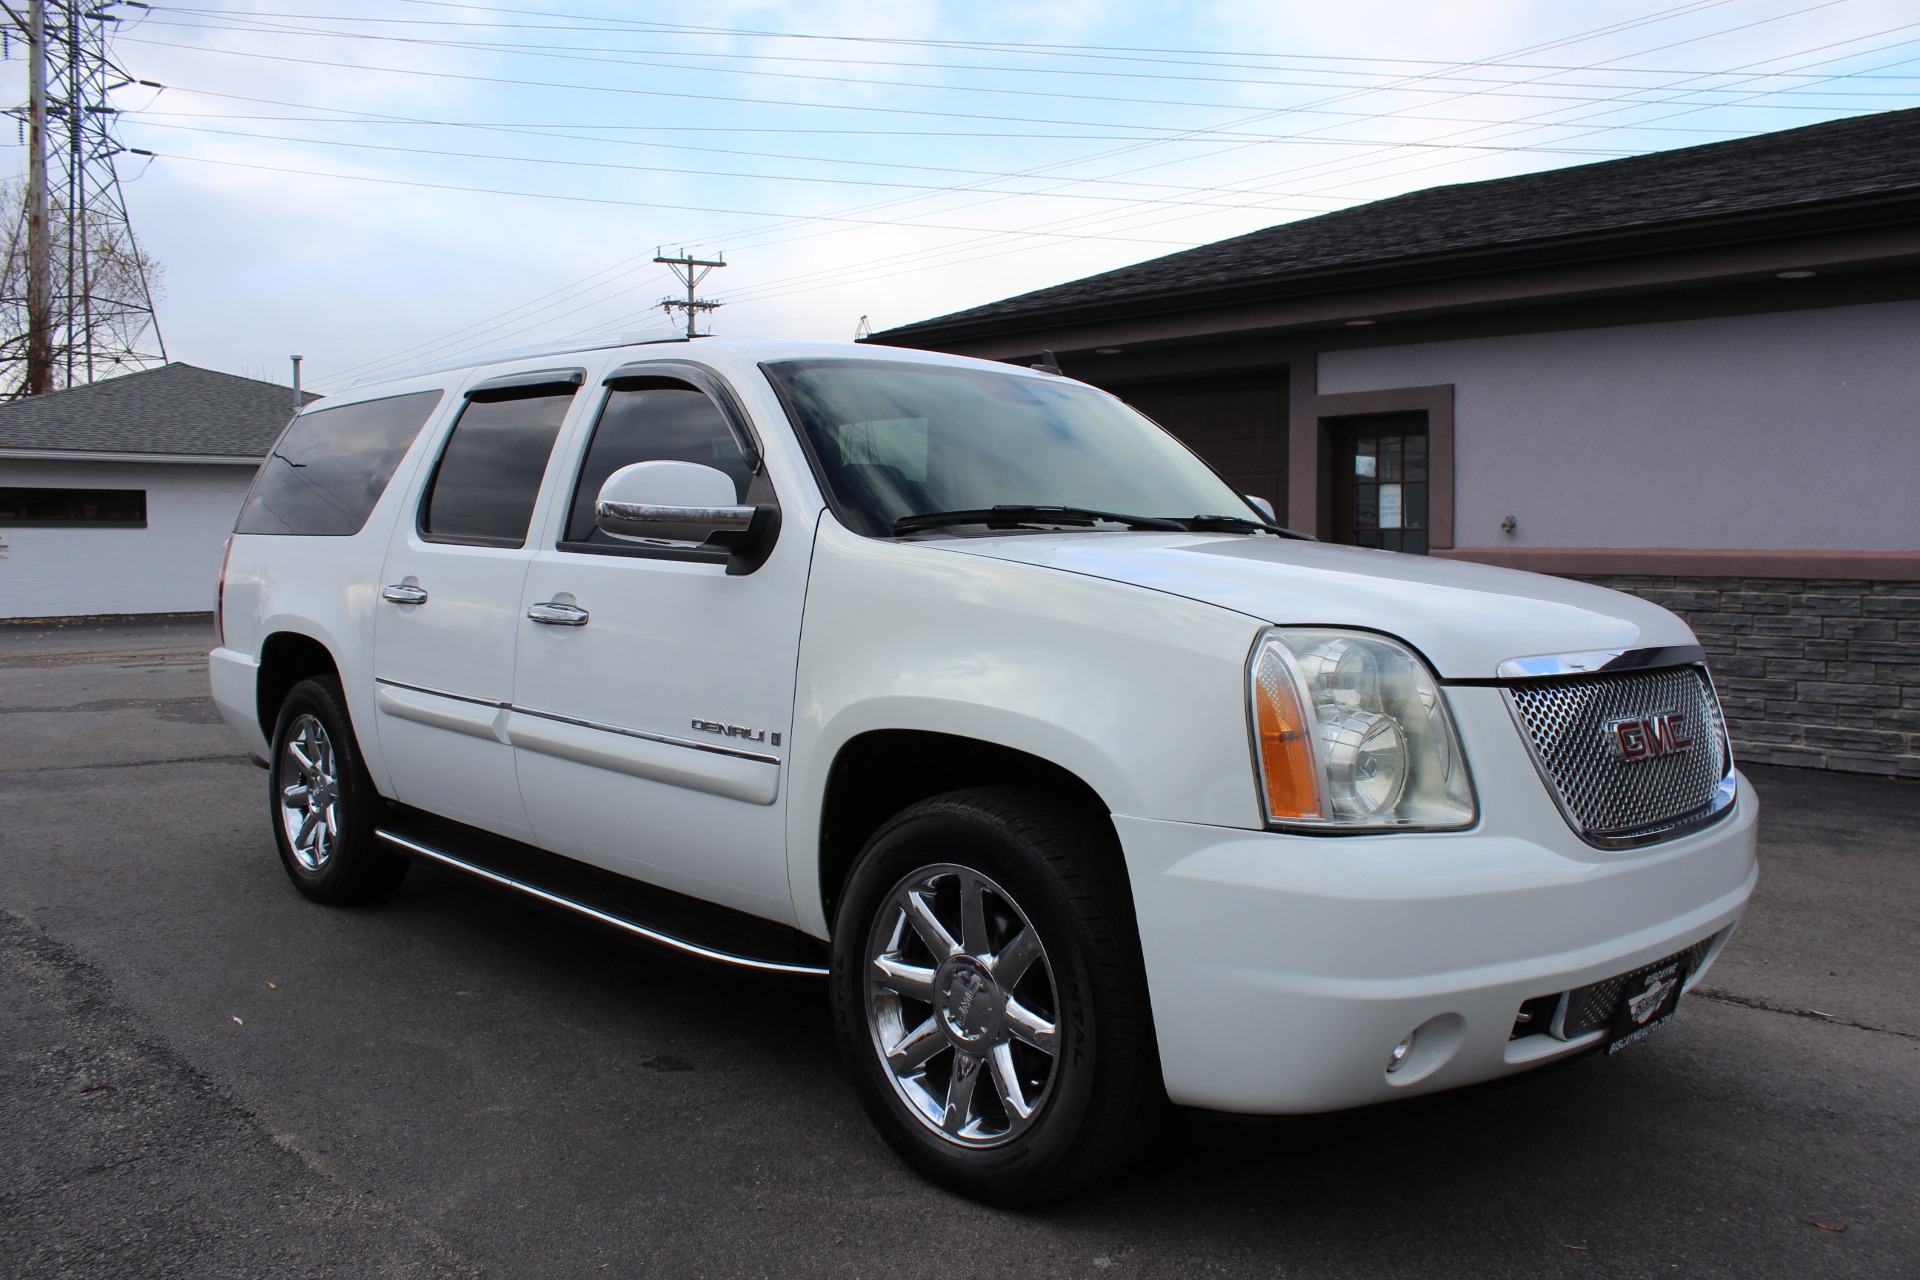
[(360, 869), (942, 831)]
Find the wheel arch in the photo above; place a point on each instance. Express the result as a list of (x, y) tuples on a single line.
[(878, 773), (287, 658)]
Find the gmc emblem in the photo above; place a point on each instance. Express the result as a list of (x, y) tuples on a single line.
[(1647, 737)]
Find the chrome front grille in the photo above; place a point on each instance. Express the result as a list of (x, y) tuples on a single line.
[(1574, 725)]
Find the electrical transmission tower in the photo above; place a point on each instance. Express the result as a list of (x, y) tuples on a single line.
[(690, 271), (76, 295)]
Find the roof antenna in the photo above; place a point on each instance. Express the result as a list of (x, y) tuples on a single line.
[(1047, 364)]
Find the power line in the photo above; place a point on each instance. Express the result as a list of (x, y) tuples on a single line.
[(1083, 223), (1635, 96), (1244, 120), (1258, 116), (598, 54), (389, 148), (627, 204)]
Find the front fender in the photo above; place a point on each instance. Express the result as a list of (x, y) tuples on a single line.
[(1139, 694)]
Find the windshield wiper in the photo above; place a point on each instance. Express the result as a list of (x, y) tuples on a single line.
[(1013, 516), (1201, 524)]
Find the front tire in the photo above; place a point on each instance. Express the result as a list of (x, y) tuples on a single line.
[(989, 996), (323, 802)]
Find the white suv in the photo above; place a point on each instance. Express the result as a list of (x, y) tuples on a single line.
[(967, 687)]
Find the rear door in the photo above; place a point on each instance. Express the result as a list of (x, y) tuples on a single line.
[(652, 710), (446, 622)]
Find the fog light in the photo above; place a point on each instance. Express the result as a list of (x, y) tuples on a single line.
[(1398, 1057)]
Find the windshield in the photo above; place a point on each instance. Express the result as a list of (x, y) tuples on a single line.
[(896, 440)]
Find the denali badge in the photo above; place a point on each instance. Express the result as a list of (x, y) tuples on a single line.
[(735, 731), (1644, 737)]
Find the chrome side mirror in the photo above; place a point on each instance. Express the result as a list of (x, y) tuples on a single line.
[(1266, 508), (682, 504), (638, 502)]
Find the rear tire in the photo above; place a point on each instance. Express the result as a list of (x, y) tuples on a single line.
[(323, 802), (989, 997)]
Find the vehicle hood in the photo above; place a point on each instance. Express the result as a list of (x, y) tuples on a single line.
[(1466, 618)]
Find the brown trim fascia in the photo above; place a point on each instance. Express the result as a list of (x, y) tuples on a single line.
[(1310, 448), (1886, 214), (1874, 566)]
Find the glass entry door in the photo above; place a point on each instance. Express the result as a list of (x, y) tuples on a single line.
[(1380, 484)]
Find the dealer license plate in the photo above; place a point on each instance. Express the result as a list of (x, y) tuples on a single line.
[(1648, 1002)]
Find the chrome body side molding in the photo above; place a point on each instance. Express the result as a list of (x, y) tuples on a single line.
[(471, 716), (712, 767), (736, 775)]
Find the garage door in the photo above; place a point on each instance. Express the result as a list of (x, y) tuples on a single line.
[(1239, 425)]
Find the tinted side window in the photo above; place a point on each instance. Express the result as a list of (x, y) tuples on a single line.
[(658, 418), (331, 465), (488, 479)]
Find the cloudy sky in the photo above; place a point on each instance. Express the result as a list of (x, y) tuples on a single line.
[(380, 184)]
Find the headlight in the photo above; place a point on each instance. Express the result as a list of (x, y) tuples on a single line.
[(1351, 734)]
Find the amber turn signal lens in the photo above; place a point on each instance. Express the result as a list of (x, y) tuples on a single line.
[(1286, 753)]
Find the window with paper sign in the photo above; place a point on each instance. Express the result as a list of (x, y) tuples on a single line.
[(1380, 482)]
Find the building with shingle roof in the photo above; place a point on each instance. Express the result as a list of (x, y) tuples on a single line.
[(117, 496), (1688, 374)]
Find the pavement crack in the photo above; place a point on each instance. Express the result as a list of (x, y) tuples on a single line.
[(230, 756), (1811, 1015)]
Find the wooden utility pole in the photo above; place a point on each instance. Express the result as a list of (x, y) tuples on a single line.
[(39, 233), (690, 271)]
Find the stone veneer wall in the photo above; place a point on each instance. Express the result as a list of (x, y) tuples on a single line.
[(1823, 674)]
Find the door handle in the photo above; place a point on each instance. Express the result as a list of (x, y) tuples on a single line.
[(555, 614), (404, 593)]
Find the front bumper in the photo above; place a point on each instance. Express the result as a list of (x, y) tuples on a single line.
[(1284, 969)]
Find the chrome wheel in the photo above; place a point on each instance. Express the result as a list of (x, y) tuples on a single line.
[(961, 1005), (309, 793)]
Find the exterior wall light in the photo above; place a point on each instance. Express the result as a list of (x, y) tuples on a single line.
[(1358, 324)]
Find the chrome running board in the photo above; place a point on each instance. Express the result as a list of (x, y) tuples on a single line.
[(421, 849)]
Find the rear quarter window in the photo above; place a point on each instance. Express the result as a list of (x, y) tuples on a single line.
[(331, 466)]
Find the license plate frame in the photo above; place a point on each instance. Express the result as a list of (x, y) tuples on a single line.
[(1649, 998)]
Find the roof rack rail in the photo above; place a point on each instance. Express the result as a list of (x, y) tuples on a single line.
[(631, 338)]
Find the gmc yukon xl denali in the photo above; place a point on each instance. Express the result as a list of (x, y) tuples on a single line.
[(1086, 787)]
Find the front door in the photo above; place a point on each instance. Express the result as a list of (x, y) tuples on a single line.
[(1380, 482), (446, 622), (653, 698)]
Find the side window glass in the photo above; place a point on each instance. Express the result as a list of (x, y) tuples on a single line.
[(488, 479), (330, 466), (657, 418)]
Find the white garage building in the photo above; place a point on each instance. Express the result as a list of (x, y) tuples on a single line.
[(117, 497)]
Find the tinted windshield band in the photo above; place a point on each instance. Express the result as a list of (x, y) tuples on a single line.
[(892, 439)]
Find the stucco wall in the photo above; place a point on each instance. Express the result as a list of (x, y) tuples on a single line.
[(170, 566), (1789, 431)]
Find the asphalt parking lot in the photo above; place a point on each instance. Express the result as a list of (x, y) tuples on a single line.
[(203, 1075)]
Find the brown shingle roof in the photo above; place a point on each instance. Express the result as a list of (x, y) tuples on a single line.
[(1561, 212)]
